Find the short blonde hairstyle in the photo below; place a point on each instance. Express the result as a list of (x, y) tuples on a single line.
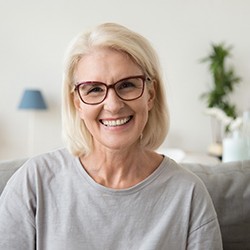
[(110, 35)]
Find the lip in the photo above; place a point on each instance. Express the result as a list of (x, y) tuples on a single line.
[(116, 122)]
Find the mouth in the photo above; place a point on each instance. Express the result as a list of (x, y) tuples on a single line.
[(115, 123)]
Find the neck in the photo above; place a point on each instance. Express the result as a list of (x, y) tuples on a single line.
[(120, 169)]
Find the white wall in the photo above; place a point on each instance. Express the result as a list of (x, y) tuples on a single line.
[(35, 34)]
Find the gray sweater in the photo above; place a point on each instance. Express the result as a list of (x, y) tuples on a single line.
[(52, 203)]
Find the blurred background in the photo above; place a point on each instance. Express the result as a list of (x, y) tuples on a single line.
[(35, 34)]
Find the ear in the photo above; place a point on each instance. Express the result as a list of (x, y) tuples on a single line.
[(152, 94), (77, 102), (78, 106)]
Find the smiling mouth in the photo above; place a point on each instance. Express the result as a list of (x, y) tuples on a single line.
[(115, 123)]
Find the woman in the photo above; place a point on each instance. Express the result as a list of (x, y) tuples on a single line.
[(110, 189)]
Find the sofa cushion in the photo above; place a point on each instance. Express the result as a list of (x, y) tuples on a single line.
[(7, 168), (229, 188)]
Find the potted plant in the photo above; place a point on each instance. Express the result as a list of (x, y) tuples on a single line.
[(224, 80), (223, 84)]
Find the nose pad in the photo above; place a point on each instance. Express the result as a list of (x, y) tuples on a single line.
[(113, 102)]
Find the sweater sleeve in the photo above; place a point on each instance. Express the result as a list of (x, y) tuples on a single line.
[(204, 231), (17, 213), (206, 237)]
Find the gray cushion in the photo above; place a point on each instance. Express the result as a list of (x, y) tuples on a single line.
[(7, 168), (229, 188), (228, 185)]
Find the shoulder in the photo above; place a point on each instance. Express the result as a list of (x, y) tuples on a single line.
[(52, 161), (192, 192), (176, 172), (42, 168), (184, 184), (54, 157)]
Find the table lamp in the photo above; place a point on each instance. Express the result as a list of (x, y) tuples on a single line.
[(32, 100)]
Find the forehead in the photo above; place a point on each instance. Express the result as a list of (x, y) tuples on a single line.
[(105, 64)]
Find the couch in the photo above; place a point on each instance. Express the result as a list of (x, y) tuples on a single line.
[(229, 188)]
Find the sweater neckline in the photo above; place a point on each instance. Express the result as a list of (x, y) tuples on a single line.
[(137, 187)]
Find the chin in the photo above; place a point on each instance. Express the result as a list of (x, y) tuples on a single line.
[(122, 145)]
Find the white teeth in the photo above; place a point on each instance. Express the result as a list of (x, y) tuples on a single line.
[(114, 123)]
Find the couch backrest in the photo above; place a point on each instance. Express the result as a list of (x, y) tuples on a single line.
[(7, 168), (229, 188)]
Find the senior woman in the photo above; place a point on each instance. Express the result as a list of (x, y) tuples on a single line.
[(109, 189)]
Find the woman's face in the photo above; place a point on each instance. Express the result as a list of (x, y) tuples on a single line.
[(114, 123)]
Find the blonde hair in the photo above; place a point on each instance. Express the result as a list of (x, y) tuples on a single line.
[(114, 36)]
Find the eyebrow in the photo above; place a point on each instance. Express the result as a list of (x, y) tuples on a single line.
[(93, 82), (89, 82)]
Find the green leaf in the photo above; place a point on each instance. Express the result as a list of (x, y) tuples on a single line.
[(224, 79)]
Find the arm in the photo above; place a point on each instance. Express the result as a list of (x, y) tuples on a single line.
[(17, 214), (204, 230), (207, 237)]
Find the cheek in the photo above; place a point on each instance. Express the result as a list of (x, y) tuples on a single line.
[(87, 119), (88, 114)]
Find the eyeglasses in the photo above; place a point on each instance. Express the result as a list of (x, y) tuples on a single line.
[(127, 89)]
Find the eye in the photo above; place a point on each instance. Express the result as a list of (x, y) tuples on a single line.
[(126, 84), (91, 89), (95, 90)]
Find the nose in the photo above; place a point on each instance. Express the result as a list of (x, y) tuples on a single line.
[(112, 102)]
